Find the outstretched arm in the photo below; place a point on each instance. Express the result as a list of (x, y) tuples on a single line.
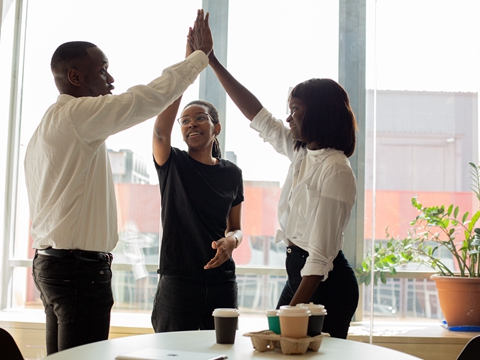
[(248, 104), (162, 129)]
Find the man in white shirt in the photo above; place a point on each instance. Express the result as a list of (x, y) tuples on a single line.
[(70, 186)]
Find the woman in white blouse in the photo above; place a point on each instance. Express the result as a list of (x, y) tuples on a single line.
[(318, 194)]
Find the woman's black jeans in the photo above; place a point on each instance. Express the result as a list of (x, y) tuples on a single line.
[(339, 293), (182, 304)]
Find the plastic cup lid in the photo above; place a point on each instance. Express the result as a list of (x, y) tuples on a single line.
[(272, 312), (315, 309), (224, 312), (288, 310)]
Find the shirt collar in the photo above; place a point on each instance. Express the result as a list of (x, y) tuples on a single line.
[(64, 98), (321, 154)]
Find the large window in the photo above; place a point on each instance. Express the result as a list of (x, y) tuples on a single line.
[(419, 130), (422, 129)]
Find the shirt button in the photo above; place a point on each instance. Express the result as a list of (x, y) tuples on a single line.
[(289, 250)]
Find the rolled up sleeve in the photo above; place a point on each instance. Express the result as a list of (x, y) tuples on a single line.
[(328, 221), (274, 132)]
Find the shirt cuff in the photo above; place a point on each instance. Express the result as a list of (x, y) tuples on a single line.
[(317, 268), (198, 59)]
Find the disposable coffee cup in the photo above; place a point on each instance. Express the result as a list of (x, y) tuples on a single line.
[(273, 321), (293, 321), (317, 316), (226, 321)]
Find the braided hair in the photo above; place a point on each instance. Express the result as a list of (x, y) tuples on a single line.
[(213, 112)]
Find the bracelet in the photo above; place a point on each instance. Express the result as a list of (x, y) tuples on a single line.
[(236, 241)]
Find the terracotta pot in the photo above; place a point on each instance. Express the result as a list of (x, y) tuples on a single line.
[(459, 299)]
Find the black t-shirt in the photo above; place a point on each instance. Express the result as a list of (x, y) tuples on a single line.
[(196, 200)]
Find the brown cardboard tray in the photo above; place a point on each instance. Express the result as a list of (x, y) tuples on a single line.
[(267, 340)]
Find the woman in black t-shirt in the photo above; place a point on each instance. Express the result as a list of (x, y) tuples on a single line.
[(201, 196)]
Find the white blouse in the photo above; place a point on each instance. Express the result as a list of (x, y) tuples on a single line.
[(312, 214)]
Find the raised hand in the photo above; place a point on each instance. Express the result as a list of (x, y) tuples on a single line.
[(189, 49), (200, 37)]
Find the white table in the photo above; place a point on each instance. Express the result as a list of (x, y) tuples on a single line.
[(204, 341)]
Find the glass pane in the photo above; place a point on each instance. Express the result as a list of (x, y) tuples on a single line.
[(422, 129), (257, 293), (404, 298)]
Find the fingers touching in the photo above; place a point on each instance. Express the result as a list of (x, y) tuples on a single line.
[(200, 36)]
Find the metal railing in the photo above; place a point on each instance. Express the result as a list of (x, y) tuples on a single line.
[(240, 270)]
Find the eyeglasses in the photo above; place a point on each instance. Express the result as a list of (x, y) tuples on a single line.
[(199, 118)]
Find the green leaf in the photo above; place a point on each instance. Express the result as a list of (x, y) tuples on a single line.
[(450, 208), (367, 280), (365, 265), (474, 219), (383, 277), (416, 204)]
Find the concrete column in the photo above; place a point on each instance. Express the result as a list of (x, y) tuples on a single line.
[(351, 75), (210, 88)]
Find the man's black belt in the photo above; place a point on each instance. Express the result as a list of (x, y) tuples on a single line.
[(78, 254)]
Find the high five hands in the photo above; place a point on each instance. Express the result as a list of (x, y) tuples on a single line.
[(200, 36)]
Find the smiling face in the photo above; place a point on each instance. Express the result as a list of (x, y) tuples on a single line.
[(295, 119), (199, 136), (95, 80)]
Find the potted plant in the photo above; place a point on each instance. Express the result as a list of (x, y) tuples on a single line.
[(435, 228)]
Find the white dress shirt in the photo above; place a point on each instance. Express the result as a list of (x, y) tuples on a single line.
[(67, 169), (313, 213)]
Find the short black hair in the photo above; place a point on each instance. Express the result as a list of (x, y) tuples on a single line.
[(329, 120), (69, 52)]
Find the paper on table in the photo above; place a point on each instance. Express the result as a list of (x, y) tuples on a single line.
[(162, 354)]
